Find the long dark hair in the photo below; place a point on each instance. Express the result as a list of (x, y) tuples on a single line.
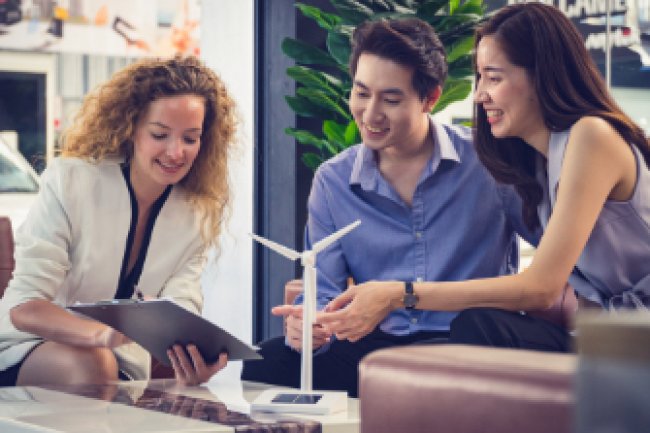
[(543, 41)]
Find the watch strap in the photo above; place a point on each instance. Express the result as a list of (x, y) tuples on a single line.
[(410, 299)]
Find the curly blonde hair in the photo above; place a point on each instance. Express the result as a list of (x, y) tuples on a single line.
[(106, 123)]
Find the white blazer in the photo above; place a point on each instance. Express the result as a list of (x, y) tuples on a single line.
[(71, 246)]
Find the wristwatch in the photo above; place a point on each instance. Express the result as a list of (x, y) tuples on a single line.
[(410, 299)]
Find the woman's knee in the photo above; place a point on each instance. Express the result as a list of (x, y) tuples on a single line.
[(99, 365), (59, 363)]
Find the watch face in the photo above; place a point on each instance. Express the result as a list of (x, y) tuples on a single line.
[(410, 300)]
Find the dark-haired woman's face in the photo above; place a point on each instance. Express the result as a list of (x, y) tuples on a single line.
[(506, 93)]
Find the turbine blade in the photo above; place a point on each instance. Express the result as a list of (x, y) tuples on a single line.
[(325, 242), (280, 249)]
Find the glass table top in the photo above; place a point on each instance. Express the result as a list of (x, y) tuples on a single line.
[(154, 406)]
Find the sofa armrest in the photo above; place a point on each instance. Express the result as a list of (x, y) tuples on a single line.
[(7, 262), (460, 389)]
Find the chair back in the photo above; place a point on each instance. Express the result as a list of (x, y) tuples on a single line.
[(7, 262)]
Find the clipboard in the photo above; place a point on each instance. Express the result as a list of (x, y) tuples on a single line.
[(158, 324)]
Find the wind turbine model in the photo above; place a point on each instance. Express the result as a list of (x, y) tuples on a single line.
[(305, 401)]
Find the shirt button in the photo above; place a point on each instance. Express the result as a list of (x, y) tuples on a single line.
[(414, 320), (418, 235)]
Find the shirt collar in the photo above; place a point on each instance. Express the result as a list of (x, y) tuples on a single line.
[(365, 170), (445, 147)]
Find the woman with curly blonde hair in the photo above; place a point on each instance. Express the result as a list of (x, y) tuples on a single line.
[(128, 210)]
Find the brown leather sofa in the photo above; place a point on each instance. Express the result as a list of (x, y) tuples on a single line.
[(6, 253), (7, 263), (466, 389)]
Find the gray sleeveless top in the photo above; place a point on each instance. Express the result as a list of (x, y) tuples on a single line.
[(614, 268)]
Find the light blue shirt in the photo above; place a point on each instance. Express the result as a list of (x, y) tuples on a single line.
[(461, 225)]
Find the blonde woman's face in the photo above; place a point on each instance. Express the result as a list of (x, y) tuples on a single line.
[(167, 141)]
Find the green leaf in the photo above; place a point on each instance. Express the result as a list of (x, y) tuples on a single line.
[(316, 79), (427, 10), (391, 15), (389, 6), (339, 47), (305, 137), (462, 67), (411, 4), (305, 108), (331, 147), (461, 48), (456, 26), (453, 5), (334, 132), (352, 12), (379, 5), (312, 160), (323, 100), (351, 134), (454, 90), (471, 7), (306, 54), (404, 10), (325, 20)]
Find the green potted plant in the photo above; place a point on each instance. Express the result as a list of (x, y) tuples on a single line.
[(323, 77)]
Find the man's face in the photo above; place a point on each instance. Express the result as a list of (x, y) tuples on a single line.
[(388, 111)]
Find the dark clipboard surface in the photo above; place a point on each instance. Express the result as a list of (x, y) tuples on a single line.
[(158, 324)]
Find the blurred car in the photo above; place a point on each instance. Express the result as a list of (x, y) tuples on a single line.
[(10, 12), (19, 185)]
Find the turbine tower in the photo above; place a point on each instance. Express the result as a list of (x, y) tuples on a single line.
[(308, 261)]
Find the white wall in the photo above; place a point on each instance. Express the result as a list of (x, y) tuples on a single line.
[(461, 109), (227, 47), (636, 104)]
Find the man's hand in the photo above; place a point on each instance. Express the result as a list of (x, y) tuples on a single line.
[(193, 370), (356, 312), (293, 314)]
